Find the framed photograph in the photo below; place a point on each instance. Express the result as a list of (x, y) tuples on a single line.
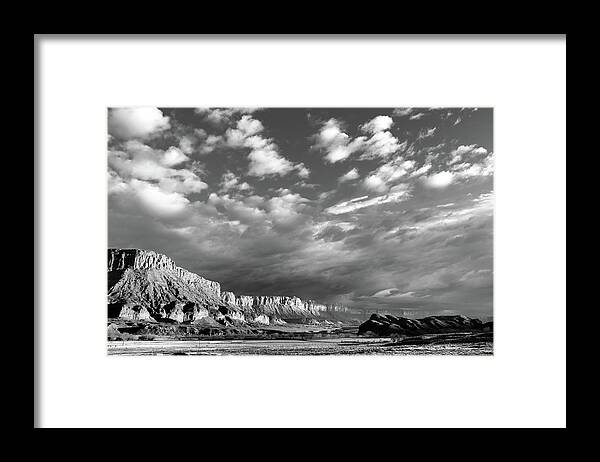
[(325, 217)]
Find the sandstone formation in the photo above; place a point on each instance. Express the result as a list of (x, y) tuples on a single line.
[(145, 285), (387, 325)]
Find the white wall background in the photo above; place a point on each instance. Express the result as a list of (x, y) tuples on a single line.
[(522, 385)]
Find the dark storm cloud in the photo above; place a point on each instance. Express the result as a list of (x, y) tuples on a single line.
[(373, 208)]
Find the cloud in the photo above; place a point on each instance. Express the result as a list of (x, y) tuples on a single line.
[(466, 150), (229, 181), (173, 156), (388, 173), (249, 126), (402, 111), (421, 170), (264, 156), (337, 145), (245, 133), (137, 122), (395, 294), (349, 176), (480, 169), (150, 199), (222, 116), (145, 178), (264, 162), (378, 124), (374, 183), (303, 172), (399, 194), (186, 145), (381, 145), (439, 180), (426, 133)]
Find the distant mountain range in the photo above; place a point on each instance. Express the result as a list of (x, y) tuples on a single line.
[(388, 325)]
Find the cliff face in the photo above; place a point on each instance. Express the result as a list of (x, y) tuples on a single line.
[(279, 307), (145, 285)]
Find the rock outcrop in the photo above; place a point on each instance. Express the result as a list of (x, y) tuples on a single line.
[(387, 325), (145, 285)]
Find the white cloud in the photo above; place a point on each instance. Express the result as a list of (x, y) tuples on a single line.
[(426, 133), (378, 124), (186, 145), (349, 176), (422, 170), (381, 145), (402, 111), (449, 216), (388, 173), (268, 162), (393, 293), (137, 122), (337, 144), (439, 180), (483, 168), (219, 116), (143, 178), (153, 200), (249, 126), (399, 193), (303, 172), (230, 181), (374, 183), (245, 134), (466, 150), (173, 156)]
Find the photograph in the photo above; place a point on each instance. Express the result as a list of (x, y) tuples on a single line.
[(300, 231)]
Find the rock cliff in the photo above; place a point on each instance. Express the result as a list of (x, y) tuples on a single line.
[(387, 324), (145, 285)]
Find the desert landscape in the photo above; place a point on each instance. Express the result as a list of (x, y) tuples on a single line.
[(158, 308)]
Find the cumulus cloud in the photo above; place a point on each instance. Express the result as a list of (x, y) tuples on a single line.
[(264, 156), (337, 145), (378, 124), (381, 145), (349, 176), (388, 173), (222, 116), (267, 161), (439, 180), (173, 156), (140, 176), (463, 151), (186, 145), (137, 122), (229, 181), (375, 183)]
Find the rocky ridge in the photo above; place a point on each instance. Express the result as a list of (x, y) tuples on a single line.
[(147, 286), (384, 325)]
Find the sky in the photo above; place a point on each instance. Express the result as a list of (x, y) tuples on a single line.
[(374, 208)]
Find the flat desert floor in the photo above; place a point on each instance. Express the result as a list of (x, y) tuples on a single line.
[(332, 346)]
